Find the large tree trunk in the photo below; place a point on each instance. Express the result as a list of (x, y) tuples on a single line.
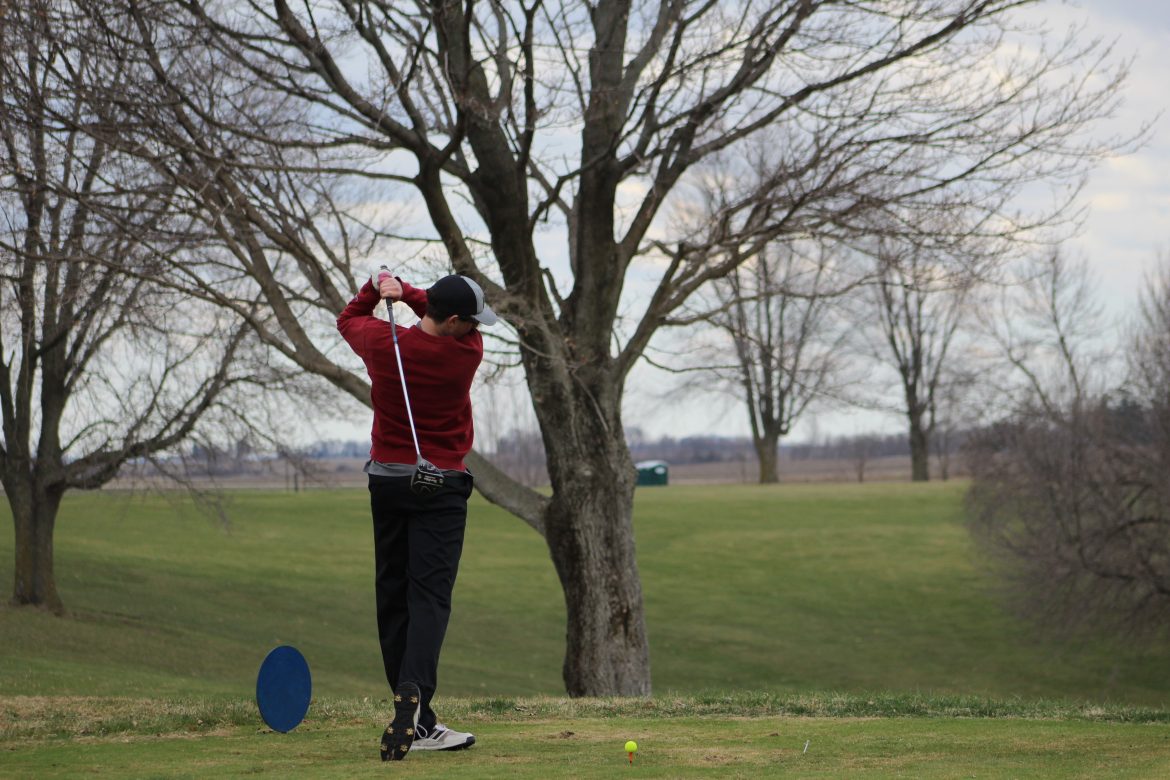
[(590, 535), (591, 541), (766, 453), (34, 515), (919, 450)]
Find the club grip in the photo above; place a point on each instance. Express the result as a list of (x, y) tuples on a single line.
[(376, 276)]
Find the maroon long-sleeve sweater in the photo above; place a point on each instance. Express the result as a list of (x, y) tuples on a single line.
[(439, 371)]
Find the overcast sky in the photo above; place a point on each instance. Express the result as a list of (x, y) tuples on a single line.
[(1128, 222), (1129, 197)]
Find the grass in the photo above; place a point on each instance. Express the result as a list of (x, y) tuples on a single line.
[(806, 736), (855, 588), (759, 600)]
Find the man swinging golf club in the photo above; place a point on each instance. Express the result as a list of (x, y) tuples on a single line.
[(420, 387)]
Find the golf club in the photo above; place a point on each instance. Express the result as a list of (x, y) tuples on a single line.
[(427, 478)]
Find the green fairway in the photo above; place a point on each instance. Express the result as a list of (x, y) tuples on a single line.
[(786, 589), (761, 594), (541, 738)]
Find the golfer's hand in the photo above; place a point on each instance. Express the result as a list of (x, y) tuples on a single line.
[(387, 285)]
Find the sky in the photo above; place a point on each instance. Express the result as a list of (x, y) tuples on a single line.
[(1129, 196), (1126, 227)]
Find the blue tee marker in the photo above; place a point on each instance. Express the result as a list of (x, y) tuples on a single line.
[(283, 689)]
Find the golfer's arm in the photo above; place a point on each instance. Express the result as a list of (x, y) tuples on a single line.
[(415, 298), (356, 318)]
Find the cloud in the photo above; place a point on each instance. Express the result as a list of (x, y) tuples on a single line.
[(1128, 195)]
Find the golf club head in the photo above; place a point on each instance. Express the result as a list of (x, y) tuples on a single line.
[(427, 479)]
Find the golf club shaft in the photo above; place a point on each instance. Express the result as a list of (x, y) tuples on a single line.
[(402, 375)]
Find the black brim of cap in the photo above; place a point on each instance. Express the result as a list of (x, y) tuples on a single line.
[(485, 317)]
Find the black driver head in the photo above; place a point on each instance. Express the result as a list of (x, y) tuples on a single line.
[(427, 479)]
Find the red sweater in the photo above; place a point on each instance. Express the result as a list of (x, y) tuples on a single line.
[(439, 370)]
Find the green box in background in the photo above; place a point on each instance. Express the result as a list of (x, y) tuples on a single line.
[(653, 472)]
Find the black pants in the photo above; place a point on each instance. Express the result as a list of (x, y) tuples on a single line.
[(418, 541)]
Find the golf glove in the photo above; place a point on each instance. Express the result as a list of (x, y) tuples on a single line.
[(377, 275)]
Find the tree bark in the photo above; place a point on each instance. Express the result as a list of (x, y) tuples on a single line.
[(919, 450), (590, 537), (34, 513), (588, 522), (767, 456)]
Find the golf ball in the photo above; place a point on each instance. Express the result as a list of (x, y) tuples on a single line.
[(631, 746)]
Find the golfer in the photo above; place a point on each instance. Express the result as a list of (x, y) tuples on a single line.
[(418, 536)]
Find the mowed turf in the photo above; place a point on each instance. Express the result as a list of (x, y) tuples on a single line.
[(581, 743), (789, 588), (759, 600)]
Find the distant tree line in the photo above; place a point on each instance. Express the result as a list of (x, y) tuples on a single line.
[(336, 448), (520, 453)]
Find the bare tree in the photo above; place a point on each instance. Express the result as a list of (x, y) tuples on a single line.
[(1047, 330), (1149, 361), (589, 119), (921, 300), (98, 367), (1070, 494), (861, 447), (506, 428), (956, 412), (777, 311)]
